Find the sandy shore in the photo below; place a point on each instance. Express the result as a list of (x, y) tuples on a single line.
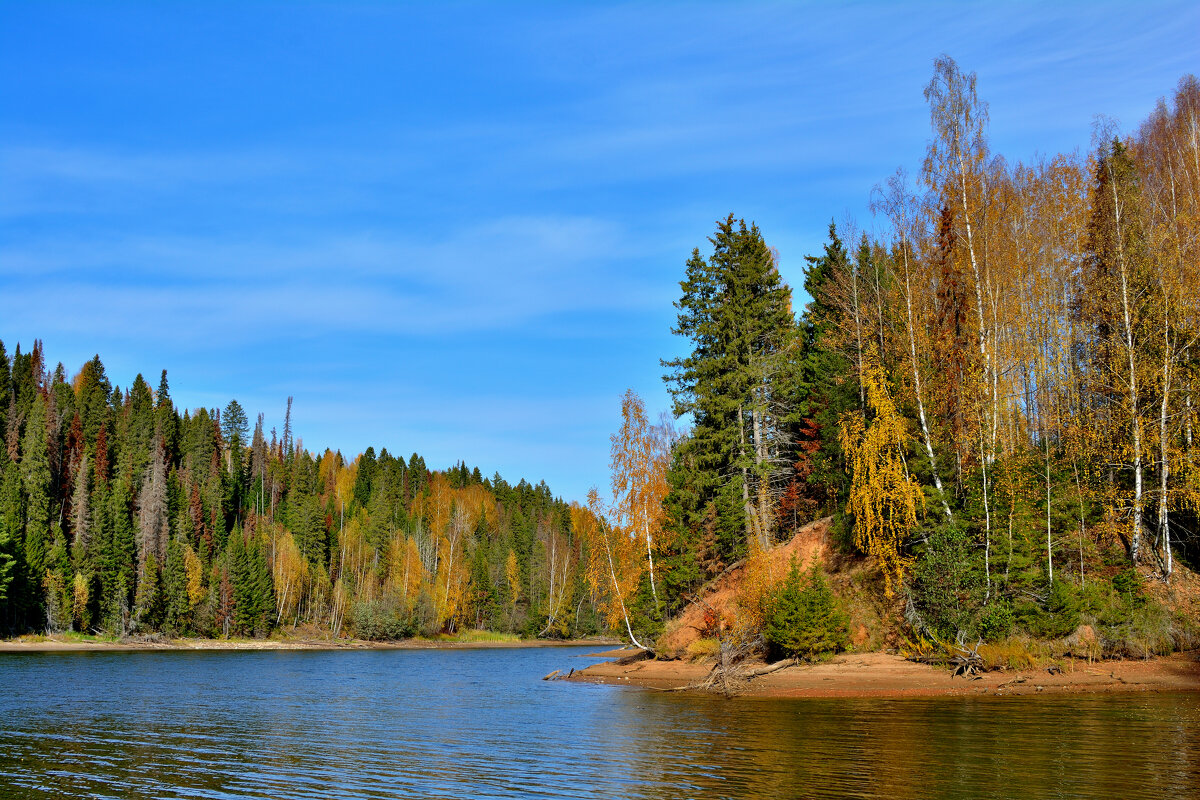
[(53, 645), (885, 675)]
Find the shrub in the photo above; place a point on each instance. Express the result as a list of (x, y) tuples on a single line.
[(996, 622), (703, 648), (1011, 653), (379, 620), (1063, 605), (802, 617), (1059, 616), (1128, 584), (947, 587)]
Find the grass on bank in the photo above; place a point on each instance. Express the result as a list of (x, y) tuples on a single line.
[(476, 636)]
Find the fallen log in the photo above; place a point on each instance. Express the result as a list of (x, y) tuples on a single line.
[(768, 669)]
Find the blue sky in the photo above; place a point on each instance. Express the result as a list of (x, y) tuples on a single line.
[(457, 229)]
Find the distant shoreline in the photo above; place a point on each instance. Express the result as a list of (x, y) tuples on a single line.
[(884, 675), (62, 645)]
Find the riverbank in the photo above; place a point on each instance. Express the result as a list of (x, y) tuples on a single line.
[(888, 675), (63, 644)]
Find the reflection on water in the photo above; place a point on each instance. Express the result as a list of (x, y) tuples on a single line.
[(481, 723)]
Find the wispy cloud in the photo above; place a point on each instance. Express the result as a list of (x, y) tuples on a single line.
[(462, 232)]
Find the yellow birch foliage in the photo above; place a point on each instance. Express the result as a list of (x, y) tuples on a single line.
[(290, 575), (357, 559), (344, 483), (194, 570), (512, 571), (884, 499), (758, 580), (476, 501), (452, 582), (614, 566), (327, 471), (405, 571), (640, 458), (80, 602), (441, 499)]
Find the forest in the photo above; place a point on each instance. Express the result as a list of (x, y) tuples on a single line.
[(123, 516), (993, 396)]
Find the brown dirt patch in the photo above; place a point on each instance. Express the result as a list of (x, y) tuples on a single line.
[(811, 543)]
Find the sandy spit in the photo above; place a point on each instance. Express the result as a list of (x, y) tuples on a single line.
[(888, 675)]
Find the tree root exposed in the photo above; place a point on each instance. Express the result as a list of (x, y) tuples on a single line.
[(730, 675)]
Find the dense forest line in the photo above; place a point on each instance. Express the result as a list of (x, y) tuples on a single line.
[(121, 515), (995, 399)]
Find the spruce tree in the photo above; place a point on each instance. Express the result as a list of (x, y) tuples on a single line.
[(35, 483), (824, 389), (736, 313)]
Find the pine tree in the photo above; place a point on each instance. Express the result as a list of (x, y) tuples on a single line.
[(10, 531), (175, 588), (5, 398), (153, 511), (737, 315), (35, 483), (166, 423), (827, 387), (148, 605)]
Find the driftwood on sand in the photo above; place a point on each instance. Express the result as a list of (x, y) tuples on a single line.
[(731, 673)]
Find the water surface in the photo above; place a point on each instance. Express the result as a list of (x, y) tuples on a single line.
[(482, 723)]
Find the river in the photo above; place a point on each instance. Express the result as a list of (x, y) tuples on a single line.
[(482, 723)]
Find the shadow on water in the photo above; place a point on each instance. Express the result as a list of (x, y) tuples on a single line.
[(466, 724)]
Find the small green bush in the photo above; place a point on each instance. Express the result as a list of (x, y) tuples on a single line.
[(1056, 618), (996, 622), (381, 621), (1128, 584), (947, 585), (803, 618)]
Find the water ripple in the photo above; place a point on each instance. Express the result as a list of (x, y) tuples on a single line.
[(469, 724)]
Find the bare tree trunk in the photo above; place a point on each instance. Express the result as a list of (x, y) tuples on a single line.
[(1135, 411), (1049, 542), (858, 337), (987, 525), (1164, 529), (760, 459), (912, 351), (751, 528), (989, 366), (650, 559), (612, 571), (1079, 494)]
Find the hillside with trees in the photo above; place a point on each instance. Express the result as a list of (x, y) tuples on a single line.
[(996, 400)]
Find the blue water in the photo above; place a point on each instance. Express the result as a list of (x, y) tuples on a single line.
[(482, 723)]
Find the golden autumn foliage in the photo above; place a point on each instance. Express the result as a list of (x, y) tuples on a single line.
[(193, 569), (614, 568), (757, 583), (884, 499), (639, 479), (290, 574), (512, 573), (79, 604), (406, 574)]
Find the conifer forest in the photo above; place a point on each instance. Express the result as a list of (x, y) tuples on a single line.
[(995, 396)]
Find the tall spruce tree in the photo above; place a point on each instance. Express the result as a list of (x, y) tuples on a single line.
[(826, 388), (736, 313)]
